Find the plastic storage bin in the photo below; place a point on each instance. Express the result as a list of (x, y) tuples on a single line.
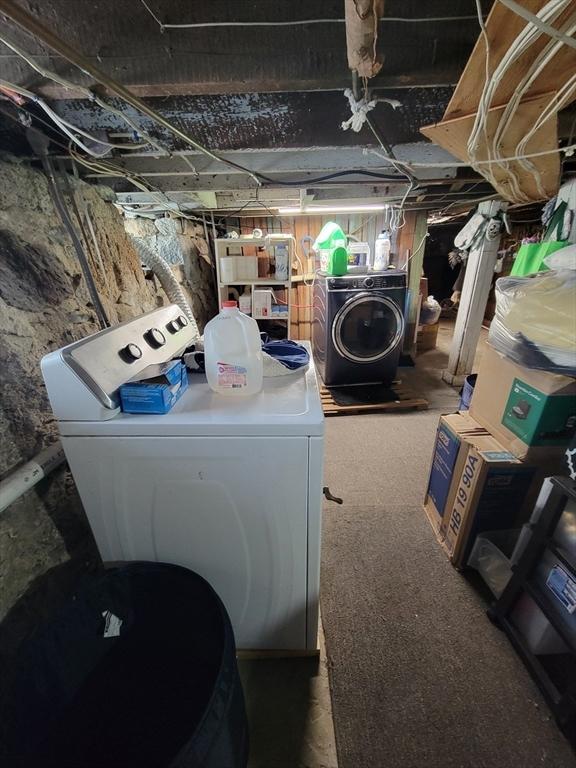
[(489, 556), (540, 635), (137, 669)]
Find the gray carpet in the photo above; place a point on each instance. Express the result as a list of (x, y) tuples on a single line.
[(419, 676)]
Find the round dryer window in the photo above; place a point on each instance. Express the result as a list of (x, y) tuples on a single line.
[(367, 328)]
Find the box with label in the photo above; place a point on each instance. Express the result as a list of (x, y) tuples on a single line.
[(157, 389), (491, 491), (532, 413), (262, 302), (451, 429)]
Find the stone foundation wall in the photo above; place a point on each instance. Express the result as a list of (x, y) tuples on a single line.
[(44, 304)]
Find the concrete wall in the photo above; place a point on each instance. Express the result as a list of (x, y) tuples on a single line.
[(44, 304)]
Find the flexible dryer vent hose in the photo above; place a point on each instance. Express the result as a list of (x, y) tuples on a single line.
[(171, 286)]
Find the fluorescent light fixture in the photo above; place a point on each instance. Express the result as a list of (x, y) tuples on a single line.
[(312, 209)]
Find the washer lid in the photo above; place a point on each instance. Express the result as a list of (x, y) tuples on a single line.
[(286, 406)]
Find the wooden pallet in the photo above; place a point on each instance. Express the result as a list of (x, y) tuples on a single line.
[(407, 400)]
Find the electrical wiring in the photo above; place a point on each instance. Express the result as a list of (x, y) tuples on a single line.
[(555, 104), (538, 64), (328, 177), (294, 23), (569, 149), (34, 27), (68, 128), (86, 92), (63, 125), (538, 22), (106, 168), (493, 81), (522, 42), (33, 128)]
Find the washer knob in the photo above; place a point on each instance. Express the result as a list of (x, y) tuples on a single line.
[(182, 321), (131, 352), (155, 338), (173, 326), (369, 282)]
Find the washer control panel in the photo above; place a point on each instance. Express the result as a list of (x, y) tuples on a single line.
[(367, 282), (110, 358)]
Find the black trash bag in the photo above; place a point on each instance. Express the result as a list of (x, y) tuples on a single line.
[(137, 670)]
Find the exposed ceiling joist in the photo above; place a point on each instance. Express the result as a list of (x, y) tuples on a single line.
[(122, 36)]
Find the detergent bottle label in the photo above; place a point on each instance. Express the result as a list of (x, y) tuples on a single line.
[(231, 376)]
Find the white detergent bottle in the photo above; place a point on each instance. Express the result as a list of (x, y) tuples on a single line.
[(233, 352), (382, 251)]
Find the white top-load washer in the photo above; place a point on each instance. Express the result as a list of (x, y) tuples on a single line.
[(228, 487)]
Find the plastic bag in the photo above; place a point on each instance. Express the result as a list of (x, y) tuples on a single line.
[(562, 259), (532, 257), (535, 321), (430, 311)]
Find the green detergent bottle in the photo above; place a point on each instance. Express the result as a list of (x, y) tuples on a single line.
[(338, 261)]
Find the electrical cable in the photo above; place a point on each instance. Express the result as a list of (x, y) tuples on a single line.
[(69, 85), (34, 27), (523, 41), (534, 19), (538, 64), (60, 206), (66, 127), (328, 177), (32, 127), (294, 23)]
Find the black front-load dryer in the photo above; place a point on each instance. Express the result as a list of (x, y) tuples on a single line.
[(358, 327)]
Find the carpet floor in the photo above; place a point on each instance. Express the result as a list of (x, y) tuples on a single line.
[(419, 676)]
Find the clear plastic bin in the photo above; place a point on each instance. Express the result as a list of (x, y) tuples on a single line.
[(490, 557)]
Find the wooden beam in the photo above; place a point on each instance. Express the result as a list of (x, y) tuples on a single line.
[(502, 28), (453, 135), (477, 283)]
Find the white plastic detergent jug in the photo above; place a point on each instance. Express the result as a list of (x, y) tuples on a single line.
[(233, 352), (382, 251)]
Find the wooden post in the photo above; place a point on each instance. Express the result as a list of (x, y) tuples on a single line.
[(417, 247), (475, 291)]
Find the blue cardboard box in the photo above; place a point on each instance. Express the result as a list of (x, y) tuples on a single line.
[(451, 430), (157, 389)]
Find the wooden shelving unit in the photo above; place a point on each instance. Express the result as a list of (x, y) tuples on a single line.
[(252, 247)]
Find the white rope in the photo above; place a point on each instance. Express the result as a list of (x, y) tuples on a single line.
[(359, 109)]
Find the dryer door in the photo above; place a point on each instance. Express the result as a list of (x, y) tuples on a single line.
[(367, 328)]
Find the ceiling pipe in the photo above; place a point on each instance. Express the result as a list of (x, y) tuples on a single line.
[(34, 27)]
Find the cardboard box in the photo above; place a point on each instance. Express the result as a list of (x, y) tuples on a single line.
[(427, 337), (532, 413), (424, 288), (451, 430), (490, 492), (262, 302), (157, 389), (475, 485)]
